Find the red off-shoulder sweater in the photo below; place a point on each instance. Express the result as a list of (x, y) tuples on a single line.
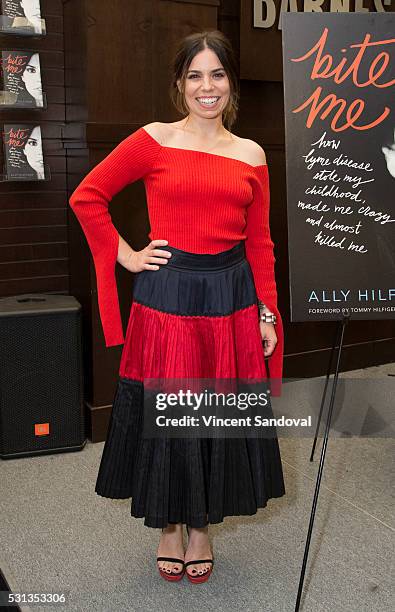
[(197, 201)]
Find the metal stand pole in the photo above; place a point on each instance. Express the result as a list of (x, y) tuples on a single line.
[(342, 325), (338, 331)]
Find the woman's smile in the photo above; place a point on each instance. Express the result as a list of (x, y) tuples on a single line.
[(208, 101)]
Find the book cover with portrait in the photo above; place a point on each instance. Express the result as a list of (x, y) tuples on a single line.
[(21, 79), (21, 17), (23, 153)]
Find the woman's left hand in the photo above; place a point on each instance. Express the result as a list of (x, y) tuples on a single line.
[(269, 337)]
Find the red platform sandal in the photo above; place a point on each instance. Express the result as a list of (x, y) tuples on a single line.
[(172, 576)]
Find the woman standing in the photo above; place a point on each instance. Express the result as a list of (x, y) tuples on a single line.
[(200, 286)]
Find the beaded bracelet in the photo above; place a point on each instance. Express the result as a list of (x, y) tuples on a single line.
[(265, 315)]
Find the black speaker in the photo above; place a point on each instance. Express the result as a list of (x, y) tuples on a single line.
[(41, 377)]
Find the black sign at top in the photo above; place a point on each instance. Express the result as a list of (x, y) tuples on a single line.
[(339, 88)]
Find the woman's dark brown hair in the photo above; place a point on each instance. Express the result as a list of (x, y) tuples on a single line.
[(190, 46)]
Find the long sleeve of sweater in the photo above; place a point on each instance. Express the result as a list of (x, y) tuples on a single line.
[(127, 163), (260, 255)]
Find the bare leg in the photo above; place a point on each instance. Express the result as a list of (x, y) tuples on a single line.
[(198, 548), (171, 545)]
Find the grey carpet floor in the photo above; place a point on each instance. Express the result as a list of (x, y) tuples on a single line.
[(58, 536)]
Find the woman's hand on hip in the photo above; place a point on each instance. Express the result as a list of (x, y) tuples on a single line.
[(269, 337), (148, 258)]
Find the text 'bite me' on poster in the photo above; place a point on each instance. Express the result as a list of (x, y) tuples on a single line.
[(339, 91)]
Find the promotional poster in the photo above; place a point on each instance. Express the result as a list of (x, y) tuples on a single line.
[(23, 152), (22, 17), (21, 79), (340, 155)]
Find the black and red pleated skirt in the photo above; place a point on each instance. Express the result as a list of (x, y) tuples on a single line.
[(195, 317)]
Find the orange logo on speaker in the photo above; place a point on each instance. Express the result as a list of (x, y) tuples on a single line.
[(41, 429)]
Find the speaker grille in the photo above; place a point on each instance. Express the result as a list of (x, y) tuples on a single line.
[(41, 382)]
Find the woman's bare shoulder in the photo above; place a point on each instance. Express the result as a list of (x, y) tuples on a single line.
[(254, 152), (158, 130)]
